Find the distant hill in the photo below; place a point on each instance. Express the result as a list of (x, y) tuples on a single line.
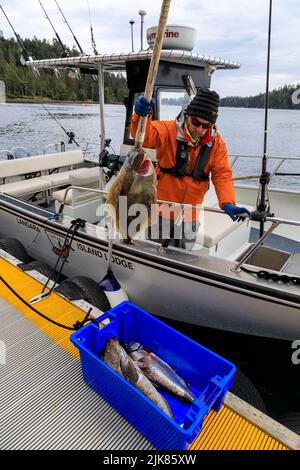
[(21, 83), (280, 98)]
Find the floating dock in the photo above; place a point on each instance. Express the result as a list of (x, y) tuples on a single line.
[(45, 403)]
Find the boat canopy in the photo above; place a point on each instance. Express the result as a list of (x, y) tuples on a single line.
[(117, 61)]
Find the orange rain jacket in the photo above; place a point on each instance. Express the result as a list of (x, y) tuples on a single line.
[(162, 135)]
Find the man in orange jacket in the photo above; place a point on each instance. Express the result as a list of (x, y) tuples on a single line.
[(188, 150)]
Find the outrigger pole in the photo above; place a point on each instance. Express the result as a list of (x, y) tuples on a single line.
[(65, 53), (65, 20), (263, 202)]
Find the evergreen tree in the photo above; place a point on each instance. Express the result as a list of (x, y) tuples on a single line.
[(21, 83)]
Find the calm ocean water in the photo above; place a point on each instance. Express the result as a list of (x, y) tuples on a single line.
[(30, 126)]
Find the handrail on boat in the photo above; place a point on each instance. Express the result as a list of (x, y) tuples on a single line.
[(104, 192), (178, 204), (6, 152), (281, 159), (58, 146), (237, 268)]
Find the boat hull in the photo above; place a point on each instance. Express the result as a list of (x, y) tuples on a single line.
[(161, 286)]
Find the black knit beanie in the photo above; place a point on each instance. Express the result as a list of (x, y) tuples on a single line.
[(205, 105)]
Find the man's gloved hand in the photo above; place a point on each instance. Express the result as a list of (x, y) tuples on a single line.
[(235, 212), (142, 107)]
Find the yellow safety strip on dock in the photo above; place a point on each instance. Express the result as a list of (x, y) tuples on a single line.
[(225, 430), (54, 306)]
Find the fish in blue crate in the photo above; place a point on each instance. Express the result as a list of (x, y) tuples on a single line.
[(159, 372), (117, 378), (115, 356)]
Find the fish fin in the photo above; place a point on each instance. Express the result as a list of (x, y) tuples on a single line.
[(142, 364), (147, 360), (128, 370)]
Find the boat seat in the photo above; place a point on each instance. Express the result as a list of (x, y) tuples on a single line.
[(32, 185), (62, 178), (40, 163), (86, 177), (82, 204), (215, 227)]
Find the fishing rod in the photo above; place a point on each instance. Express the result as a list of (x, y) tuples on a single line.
[(70, 134), (25, 57), (65, 52), (263, 202), (92, 32), (65, 20)]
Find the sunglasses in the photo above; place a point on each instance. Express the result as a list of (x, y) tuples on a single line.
[(196, 123)]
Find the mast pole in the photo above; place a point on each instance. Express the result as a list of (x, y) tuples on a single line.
[(263, 204)]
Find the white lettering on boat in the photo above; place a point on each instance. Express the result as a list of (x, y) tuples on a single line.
[(101, 254), (28, 225)]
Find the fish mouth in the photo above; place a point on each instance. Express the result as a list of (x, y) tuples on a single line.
[(144, 168)]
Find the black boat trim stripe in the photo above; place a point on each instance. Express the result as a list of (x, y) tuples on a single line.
[(281, 298)]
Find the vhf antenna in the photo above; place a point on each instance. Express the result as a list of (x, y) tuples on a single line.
[(131, 22), (142, 14), (92, 32), (263, 202)]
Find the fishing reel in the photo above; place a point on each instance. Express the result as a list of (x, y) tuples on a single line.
[(71, 136), (104, 154)]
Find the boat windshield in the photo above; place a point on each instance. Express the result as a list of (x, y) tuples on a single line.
[(171, 102)]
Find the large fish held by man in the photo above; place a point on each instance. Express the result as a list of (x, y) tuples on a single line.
[(132, 198)]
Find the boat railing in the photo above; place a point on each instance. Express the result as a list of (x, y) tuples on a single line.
[(7, 154), (88, 144), (104, 192), (17, 152), (58, 147), (280, 160), (275, 222)]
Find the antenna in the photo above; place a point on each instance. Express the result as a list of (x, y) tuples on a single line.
[(131, 22), (263, 202), (65, 20), (92, 32), (142, 14)]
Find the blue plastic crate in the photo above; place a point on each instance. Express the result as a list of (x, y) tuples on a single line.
[(209, 375)]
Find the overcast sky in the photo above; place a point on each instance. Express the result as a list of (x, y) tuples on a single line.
[(230, 29)]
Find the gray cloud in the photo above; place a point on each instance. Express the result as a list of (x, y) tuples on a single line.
[(231, 29)]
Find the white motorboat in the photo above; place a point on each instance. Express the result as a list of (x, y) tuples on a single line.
[(232, 283)]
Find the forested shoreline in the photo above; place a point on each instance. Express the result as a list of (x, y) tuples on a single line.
[(22, 85), (280, 98)]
